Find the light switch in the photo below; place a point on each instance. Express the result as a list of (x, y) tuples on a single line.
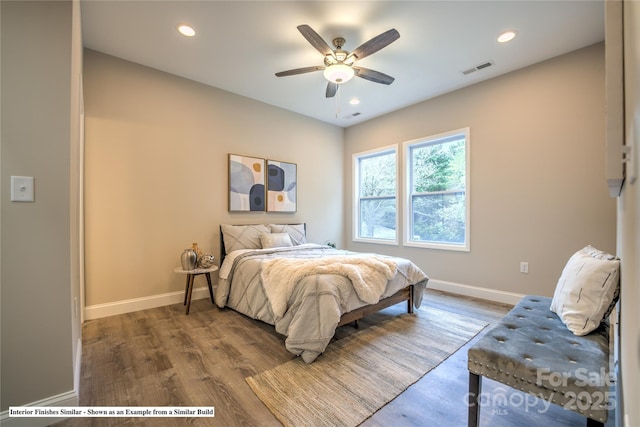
[(22, 189)]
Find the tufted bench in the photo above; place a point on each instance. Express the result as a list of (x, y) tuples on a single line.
[(531, 350)]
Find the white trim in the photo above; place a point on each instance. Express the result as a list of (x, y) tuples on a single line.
[(136, 304), (407, 238), (377, 241), (355, 205), (441, 246), (475, 291), (69, 398), (81, 222), (76, 369)]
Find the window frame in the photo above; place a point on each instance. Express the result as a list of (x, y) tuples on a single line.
[(408, 193), (356, 223)]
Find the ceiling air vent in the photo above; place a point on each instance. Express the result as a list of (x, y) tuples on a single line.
[(478, 67)]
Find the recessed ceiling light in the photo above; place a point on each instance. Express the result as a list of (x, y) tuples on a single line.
[(507, 36), (186, 30), (354, 101)]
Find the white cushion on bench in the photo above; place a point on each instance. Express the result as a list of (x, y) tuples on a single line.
[(587, 290)]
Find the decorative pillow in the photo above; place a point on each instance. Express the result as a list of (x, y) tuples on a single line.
[(242, 236), (587, 290), (296, 232), (275, 240)]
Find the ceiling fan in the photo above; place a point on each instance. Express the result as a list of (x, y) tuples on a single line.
[(338, 64)]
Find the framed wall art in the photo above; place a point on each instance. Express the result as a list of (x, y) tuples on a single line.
[(246, 184), (282, 186)]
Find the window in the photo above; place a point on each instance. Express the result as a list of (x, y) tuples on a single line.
[(437, 191), (375, 188)]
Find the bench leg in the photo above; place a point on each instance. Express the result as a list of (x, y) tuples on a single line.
[(475, 385)]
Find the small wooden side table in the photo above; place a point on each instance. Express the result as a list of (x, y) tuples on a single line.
[(191, 274)]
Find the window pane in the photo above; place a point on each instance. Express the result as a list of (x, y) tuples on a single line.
[(378, 175), (439, 218), (378, 218), (438, 167)]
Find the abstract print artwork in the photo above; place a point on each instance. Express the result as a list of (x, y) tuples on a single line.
[(282, 185), (246, 184)]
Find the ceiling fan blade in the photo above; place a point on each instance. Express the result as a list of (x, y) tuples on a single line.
[(375, 44), (373, 75), (332, 88), (315, 40), (300, 71)]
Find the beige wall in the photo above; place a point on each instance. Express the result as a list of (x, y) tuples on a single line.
[(39, 332), (538, 189), (629, 227), (156, 173), (156, 180)]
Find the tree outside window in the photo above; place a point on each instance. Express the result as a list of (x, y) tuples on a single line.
[(376, 195)]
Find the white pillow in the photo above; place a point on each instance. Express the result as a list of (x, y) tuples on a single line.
[(587, 290), (297, 232), (275, 240)]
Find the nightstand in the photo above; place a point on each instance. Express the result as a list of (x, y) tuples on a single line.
[(191, 274)]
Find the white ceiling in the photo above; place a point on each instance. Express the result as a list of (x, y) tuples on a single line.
[(240, 45)]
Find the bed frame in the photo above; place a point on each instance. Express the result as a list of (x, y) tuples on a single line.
[(405, 294), (354, 316)]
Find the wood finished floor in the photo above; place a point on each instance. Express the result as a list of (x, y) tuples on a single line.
[(161, 357)]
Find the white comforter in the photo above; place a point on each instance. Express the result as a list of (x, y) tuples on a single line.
[(368, 274), (304, 290)]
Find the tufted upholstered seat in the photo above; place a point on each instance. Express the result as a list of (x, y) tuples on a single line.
[(531, 350)]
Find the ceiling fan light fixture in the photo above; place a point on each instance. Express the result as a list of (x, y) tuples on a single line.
[(350, 59), (341, 55), (338, 73), (330, 60)]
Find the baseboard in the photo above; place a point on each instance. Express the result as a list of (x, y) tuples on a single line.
[(475, 291), (128, 306), (67, 399)]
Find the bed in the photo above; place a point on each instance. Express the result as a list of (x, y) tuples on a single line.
[(270, 272)]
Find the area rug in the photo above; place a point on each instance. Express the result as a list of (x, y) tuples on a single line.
[(359, 374)]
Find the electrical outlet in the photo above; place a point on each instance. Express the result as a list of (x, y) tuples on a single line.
[(22, 189), (524, 267)]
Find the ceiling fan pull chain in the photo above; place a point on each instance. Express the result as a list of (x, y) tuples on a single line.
[(338, 102)]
